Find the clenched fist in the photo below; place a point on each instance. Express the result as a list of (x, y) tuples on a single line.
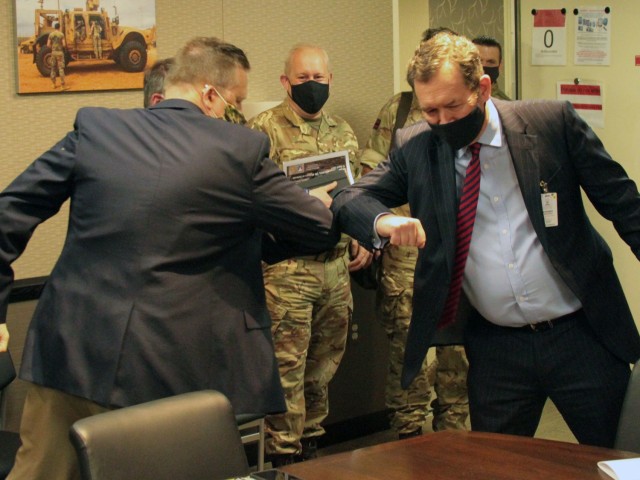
[(399, 230)]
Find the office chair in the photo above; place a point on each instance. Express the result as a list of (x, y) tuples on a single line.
[(251, 426), (193, 435), (9, 441), (628, 435)]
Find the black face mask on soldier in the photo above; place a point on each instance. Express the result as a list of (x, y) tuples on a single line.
[(493, 72), (310, 96), (461, 132)]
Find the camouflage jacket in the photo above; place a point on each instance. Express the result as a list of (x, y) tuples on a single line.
[(292, 137), (57, 39), (96, 30), (498, 93), (379, 143)]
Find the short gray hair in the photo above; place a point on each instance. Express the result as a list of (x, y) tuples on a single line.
[(304, 46), (208, 60)]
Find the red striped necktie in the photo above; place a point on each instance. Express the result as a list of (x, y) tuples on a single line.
[(464, 229)]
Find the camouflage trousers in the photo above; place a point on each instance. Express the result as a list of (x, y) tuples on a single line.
[(410, 407), (97, 46), (310, 304), (451, 405), (57, 66)]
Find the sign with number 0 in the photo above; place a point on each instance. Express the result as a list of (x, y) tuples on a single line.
[(549, 43)]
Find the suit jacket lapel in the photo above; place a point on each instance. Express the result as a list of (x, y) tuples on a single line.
[(526, 163)]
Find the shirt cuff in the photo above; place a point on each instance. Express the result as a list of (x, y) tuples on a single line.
[(378, 242)]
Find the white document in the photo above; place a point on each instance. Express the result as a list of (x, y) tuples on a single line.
[(626, 469), (549, 42), (593, 36), (587, 98)]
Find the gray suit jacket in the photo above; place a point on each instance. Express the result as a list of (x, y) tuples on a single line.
[(158, 289), (548, 142)]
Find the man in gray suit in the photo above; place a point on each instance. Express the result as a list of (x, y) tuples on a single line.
[(548, 316), (158, 289)]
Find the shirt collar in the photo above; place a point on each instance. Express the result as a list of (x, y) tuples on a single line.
[(492, 134)]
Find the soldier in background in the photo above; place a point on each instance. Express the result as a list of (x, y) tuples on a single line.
[(96, 35), (80, 32), (394, 300), (491, 56), (153, 81), (57, 44), (309, 297)]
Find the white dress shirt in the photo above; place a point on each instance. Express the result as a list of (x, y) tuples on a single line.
[(508, 277)]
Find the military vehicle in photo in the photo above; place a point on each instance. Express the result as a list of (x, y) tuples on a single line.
[(26, 46), (126, 46)]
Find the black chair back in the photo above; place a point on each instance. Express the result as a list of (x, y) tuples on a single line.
[(193, 435), (628, 436), (9, 441)]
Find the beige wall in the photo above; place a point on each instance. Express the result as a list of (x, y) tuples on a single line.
[(621, 100), (412, 20), (357, 34)]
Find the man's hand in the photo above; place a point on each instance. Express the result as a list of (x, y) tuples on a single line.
[(322, 193), (360, 256), (399, 230), (4, 337)]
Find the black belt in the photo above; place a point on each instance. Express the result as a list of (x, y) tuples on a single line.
[(327, 256), (549, 324)]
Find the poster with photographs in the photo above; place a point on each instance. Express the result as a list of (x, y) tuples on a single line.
[(593, 36), (84, 45)]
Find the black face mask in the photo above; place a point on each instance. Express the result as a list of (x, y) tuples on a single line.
[(461, 133), (310, 96), (493, 72)]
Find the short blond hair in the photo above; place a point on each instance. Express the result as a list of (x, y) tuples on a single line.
[(445, 48)]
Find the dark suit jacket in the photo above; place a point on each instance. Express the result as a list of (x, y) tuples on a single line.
[(158, 289), (548, 142)]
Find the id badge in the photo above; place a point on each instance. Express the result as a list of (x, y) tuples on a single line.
[(550, 209)]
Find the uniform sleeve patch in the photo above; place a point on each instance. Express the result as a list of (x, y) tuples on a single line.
[(377, 124)]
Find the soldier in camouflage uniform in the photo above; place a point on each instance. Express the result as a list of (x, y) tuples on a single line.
[(491, 56), (309, 298), (79, 34), (96, 35), (394, 299), (56, 43)]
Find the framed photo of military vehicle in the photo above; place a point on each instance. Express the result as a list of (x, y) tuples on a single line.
[(80, 45)]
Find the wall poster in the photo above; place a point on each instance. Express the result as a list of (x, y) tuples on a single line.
[(593, 36), (586, 98), (549, 42), (100, 47)]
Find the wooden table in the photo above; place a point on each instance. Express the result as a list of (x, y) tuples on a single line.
[(462, 455)]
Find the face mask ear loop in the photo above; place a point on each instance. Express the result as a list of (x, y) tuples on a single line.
[(203, 94)]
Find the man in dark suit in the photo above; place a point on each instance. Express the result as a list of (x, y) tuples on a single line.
[(158, 289), (549, 318)]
